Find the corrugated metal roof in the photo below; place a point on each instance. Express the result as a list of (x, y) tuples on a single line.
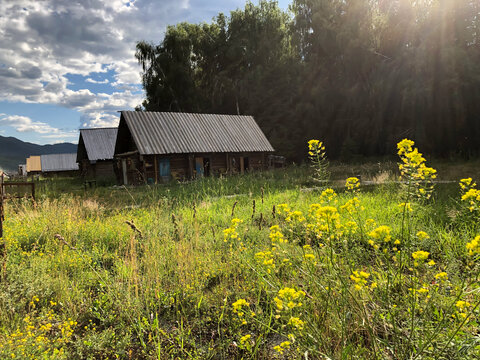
[(34, 163), (59, 162), (177, 133), (99, 143)]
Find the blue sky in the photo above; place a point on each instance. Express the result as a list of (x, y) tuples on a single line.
[(66, 65)]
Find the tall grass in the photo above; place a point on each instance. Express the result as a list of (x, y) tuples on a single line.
[(168, 272)]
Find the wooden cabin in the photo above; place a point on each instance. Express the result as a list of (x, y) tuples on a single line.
[(34, 165), (54, 165), (95, 153), (154, 147)]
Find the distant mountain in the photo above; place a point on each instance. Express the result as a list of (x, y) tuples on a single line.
[(14, 151)]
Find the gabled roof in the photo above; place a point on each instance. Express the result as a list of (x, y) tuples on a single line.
[(99, 143), (177, 133), (59, 162)]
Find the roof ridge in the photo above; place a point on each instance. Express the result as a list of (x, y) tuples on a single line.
[(183, 112), (102, 128)]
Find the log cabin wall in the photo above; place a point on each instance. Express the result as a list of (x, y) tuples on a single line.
[(131, 170), (99, 170), (180, 167), (219, 164), (87, 170), (256, 161), (242, 162), (163, 168), (149, 166), (177, 167), (61, 174), (104, 169)]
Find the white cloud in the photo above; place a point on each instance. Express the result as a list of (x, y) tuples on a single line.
[(25, 124), (97, 119), (90, 80), (41, 42)]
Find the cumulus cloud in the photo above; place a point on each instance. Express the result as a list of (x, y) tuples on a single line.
[(41, 42), (93, 81), (97, 119), (25, 124)]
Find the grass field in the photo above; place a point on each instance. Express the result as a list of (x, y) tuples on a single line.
[(266, 265)]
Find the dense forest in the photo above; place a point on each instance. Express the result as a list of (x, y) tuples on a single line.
[(357, 74)]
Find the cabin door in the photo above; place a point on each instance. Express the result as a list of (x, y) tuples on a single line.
[(164, 169), (206, 166), (199, 166)]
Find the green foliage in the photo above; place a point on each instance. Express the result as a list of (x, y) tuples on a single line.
[(354, 73)]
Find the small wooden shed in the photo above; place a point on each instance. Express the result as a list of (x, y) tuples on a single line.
[(155, 147), (34, 165), (95, 153), (59, 165), (22, 170)]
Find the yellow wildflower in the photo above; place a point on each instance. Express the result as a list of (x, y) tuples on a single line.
[(420, 256), (282, 347), (283, 209), (289, 298), (381, 233), (360, 279), (295, 216), (467, 184), (328, 195), (405, 146), (239, 305), (245, 338), (296, 323), (473, 246), (352, 183), (407, 206), (422, 235), (442, 276), (461, 305)]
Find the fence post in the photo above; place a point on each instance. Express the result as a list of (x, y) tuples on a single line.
[(1, 206), (33, 193), (3, 246)]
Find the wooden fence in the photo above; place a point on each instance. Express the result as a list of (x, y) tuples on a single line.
[(5, 195)]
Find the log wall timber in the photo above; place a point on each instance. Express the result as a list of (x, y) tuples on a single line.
[(104, 169), (146, 169)]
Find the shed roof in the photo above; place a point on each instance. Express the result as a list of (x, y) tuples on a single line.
[(177, 133), (99, 143), (59, 162)]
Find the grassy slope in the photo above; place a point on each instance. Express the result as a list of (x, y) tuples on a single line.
[(167, 289)]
